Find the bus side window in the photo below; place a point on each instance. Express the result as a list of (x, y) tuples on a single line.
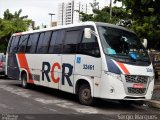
[(40, 42), (44, 42), (89, 46), (22, 43), (32, 43), (9, 44), (53, 42), (14, 44), (56, 42), (72, 38)]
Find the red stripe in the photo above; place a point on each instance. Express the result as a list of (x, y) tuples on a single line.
[(125, 70), (23, 64)]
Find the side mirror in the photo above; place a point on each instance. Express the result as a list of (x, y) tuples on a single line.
[(145, 43), (87, 33)]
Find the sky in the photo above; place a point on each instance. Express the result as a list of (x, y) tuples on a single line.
[(38, 10)]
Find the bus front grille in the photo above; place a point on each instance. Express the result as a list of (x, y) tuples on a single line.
[(136, 90), (136, 79)]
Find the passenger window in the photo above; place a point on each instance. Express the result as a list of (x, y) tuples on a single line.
[(53, 42), (14, 44), (22, 43), (56, 42), (44, 42), (9, 44), (40, 41), (32, 43), (89, 46), (72, 38)]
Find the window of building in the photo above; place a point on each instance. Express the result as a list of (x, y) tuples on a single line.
[(32, 43)]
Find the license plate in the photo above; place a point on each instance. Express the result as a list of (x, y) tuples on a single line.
[(138, 86)]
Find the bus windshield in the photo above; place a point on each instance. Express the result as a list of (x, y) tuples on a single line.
[(122, 44)]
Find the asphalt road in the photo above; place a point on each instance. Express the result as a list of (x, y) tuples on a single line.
[(40, 103)]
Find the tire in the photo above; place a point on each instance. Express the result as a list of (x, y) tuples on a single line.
[(5, 76), (24, 81), (84, 95)]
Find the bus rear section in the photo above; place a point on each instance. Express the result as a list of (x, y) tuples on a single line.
[(92, 60)]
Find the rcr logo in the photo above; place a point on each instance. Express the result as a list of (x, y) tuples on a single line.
[(46, 68)]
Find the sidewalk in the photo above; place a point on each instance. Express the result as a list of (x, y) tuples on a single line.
[(155, 102)]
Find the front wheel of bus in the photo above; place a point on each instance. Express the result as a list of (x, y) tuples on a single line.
[(24, 81), (84, 95)]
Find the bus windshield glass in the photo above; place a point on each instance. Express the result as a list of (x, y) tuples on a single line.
[(122, 44)]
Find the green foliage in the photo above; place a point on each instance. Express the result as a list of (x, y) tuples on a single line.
[(142, 16), (12, 23), (2, 48), (146, 19), (103, 15), (86, 17)]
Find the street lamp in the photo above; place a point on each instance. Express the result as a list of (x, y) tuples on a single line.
[(51, 14)]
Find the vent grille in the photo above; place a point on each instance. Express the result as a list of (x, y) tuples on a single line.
[(136, 79), (136, 90)]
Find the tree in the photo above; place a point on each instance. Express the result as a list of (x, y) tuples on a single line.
[(142, 16), (146, 19), (17, 15), (12, 23), (7, 15), (118, 14)]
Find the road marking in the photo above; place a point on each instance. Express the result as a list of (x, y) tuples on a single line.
[(61, 103), (53, 110), (68, 104), (4, 106), (44, 101), (88, 110), (19, 92)]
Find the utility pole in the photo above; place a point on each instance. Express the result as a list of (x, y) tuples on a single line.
[(110, 9), (51, 14), (62, 13)]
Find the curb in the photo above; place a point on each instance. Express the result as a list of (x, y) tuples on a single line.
[(153, 103)]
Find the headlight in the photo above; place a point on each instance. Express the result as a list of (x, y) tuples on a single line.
[(116, 76)]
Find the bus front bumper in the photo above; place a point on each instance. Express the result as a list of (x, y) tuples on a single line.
[(114, 87)]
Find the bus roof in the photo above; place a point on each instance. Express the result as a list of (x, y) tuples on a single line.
[(112, 26), (72, 25), (55, 28)]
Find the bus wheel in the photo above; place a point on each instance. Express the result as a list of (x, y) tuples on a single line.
[(24, 80), (84, 95)]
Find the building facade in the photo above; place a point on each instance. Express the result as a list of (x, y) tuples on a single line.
[(68, 12)]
